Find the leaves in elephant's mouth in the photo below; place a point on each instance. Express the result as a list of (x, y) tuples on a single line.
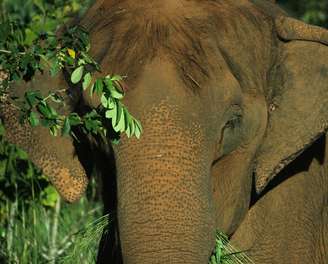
[(225, 253)]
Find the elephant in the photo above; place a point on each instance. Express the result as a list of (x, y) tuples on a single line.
[(232, 97)]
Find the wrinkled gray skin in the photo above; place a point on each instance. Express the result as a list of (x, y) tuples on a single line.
[(233, 99)]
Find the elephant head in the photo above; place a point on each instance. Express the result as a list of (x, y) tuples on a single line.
[(224, 90)]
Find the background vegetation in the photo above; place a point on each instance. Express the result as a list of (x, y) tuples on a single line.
[(311, 11), (35, 225)]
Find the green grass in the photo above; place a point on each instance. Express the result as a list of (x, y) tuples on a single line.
[(68, 234), (225, 253), (40, 235), (85, 242)]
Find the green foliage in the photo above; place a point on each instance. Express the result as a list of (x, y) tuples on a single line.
[(34, 226), (42, 15), (50, 235), (69, 52), (24, 25), (225, 253), (311, 11), (85, 240)]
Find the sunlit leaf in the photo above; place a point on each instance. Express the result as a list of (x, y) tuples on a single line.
[(116, 78), (54, 131), (110, 103), (71, 53), (112, 114), (86, 81), (104, 101), (118, 117), (138, 128), (77, 74), (56, 98), (121, 123)]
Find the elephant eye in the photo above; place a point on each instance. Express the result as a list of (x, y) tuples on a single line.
[(231, 136)]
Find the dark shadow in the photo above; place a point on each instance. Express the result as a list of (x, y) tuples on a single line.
[(301, 163), (97, 158), (109, 247)]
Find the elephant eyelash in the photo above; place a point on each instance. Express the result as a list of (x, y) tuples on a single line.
[(232, 123)]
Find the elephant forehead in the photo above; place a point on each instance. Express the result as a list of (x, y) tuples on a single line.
[(189, 35), (167, 8), (161, 79)]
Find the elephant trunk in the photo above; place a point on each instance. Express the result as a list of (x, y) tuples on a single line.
[(165, 209)]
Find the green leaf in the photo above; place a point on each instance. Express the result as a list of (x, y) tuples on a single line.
[(44, 110), (99, 85), (54, 131), (49, 196), (110, 103), (52, 111), (116, 78), (34, 119), (74, 119), (132, 125), (81, 62), (128, 131), (104, 101), (56, 98), (112, 114), (33, 97), (109, 114), (109, 83), (127, 122), (138, 129), (66, 127), (114, 92), (30, 36), (77, 74), (86, 80), (115, 141), (118, 117), (121, 123)]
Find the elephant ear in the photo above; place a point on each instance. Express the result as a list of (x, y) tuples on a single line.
[(299, 114)]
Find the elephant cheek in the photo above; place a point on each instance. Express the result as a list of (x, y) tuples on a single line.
[(232, 190)]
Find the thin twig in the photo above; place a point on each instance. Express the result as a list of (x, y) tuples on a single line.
[(9, 52)]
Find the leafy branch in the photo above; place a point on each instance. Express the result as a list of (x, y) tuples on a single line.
[(66, 53)]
